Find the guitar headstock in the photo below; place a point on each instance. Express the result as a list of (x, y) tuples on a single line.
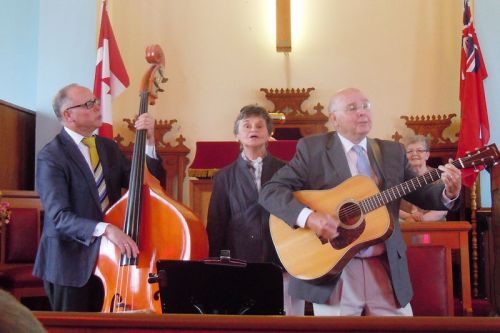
[(485, 156)]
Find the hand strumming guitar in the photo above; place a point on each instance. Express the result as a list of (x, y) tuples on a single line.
[(324, 225)]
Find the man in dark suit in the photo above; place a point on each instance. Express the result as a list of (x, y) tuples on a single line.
[(74, 204), (376, 281)]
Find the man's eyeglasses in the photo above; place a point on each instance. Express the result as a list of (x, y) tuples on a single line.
[(353, 107), (88, 105), (418, 151)]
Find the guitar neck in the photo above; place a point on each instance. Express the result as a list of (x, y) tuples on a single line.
[(399, 191)]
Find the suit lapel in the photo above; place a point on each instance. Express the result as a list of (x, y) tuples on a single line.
[(267, 169), (337, 158), (247, 180), (75, 154), (376, 160)]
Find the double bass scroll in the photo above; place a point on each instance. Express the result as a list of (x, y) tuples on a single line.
[(162, 227)]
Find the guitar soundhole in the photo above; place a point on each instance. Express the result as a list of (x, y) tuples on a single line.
[(351, 225), (349, 213)]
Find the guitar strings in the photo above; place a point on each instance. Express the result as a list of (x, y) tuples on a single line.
[(380, 199)]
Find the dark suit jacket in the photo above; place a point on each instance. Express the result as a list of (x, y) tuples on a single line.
[(68, 252), (320, 163), (236, 221)]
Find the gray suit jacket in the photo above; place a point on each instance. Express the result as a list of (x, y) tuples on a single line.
[(235, 220), (320, 163), (67, 252)]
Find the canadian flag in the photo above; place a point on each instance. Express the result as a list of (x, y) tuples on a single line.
[(111, 77)]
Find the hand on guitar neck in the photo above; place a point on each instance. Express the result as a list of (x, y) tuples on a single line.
[(452, 180), (324, 225)]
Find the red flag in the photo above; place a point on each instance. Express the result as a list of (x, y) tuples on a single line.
[(474, 126), (111, 77)]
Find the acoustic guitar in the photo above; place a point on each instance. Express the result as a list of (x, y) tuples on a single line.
[(363, 215)]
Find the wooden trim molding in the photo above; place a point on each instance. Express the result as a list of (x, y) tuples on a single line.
[(123, 322)]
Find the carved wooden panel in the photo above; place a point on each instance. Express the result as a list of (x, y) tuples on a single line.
[(174, 158), (432, 126), (298, 123)]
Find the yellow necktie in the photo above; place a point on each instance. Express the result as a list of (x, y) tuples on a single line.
[(94, 156), (98, 174)]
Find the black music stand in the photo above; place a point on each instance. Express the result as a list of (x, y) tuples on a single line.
[(220, 286)]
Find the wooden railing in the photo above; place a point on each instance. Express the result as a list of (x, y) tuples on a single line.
[(109, 323)]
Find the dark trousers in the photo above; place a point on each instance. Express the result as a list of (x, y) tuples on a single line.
[(88, 298)]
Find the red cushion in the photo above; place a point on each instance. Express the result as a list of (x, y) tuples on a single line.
[(19, 277), (22, 236), (428, 273), (227, 152)]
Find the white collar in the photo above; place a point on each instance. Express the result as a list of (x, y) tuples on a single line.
[(77, 137), (258, 160), (347, 144)]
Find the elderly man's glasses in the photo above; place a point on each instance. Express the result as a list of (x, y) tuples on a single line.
[(416, 151), (353, 107), (88, 105)]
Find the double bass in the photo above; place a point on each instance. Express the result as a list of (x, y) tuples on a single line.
[(162, 227)]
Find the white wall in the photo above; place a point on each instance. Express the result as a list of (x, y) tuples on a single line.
[(19, 52), (219, 53), (487, 26), (403, 54), (66, 54)]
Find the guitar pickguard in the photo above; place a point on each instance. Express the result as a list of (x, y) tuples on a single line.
[(347, 236)]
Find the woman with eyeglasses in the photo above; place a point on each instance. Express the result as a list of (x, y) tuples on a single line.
[(417, 152)]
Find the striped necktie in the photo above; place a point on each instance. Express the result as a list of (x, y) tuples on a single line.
[(98, 174)]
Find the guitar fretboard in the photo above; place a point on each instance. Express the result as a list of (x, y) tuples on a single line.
[(399, 191)]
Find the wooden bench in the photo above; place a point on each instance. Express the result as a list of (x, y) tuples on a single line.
[(19, 243)]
